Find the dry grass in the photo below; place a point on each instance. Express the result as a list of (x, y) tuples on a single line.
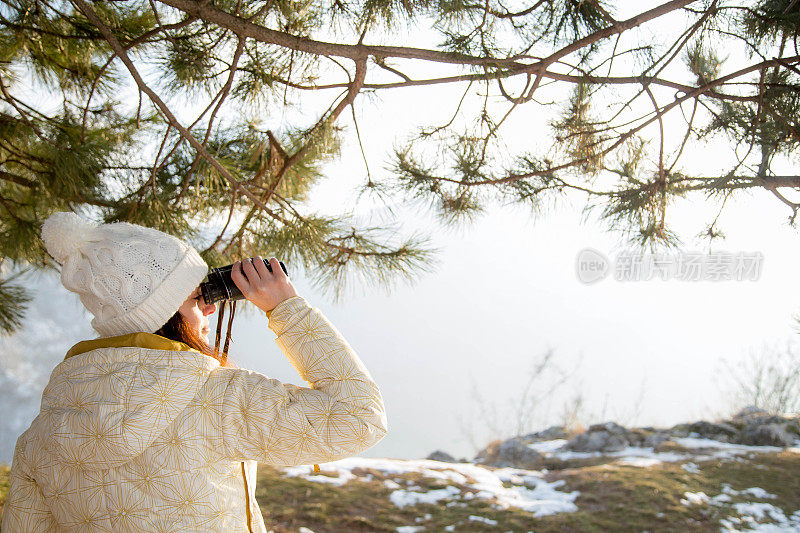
[(612, 497)]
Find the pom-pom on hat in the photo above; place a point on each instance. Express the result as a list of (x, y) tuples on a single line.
[(130, 277)]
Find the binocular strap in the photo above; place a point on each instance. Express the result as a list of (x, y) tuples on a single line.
[(232, 304)]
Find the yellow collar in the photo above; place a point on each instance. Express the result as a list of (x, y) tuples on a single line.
[(141, 339)]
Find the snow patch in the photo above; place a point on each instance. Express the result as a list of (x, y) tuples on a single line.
[(646, 456), (639, 461), (694, 498), (547, 446), (629, 455), (695, 442), (489, 521), (402, 497), (391, 484), (690, 467), (529, 491), (750, 514)]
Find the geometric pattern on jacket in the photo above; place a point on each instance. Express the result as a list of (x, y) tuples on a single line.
[(158, 437)]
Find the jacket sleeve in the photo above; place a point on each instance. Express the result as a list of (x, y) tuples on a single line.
[(338, 416), (25, 509)]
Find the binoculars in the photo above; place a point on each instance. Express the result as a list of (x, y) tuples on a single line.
[(220, 286)]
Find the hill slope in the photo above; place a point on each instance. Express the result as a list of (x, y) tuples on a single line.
[(698, 485)]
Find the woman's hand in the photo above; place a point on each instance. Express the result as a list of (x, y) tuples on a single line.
[(264, 288)]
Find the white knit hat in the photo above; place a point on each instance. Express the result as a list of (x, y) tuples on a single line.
[(130, 277)]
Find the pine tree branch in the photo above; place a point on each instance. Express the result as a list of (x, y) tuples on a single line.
[(662, 176), (677, 46), (123, 55), (10, 211), (22, 115), (244, 28), (703, 183), (625, 136), (689, 129), (40, 31), (742, 182), (213, 245), (19, 180), (95, 83), (6, 144), (381, 63), (353, 90), (617, 28), (557, 76), (144, 38), (222, 95), (153, 171), (288, 162)]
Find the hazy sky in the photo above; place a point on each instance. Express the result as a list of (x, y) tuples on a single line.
[(505, 292)]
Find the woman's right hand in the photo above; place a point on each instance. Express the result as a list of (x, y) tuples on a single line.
[(264, 288)]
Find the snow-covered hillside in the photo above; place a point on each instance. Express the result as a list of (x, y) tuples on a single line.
[(546, 492)]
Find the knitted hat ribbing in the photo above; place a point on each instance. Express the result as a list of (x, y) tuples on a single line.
[(130, 277)]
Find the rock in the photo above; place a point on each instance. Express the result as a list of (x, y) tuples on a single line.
[(607, 437), (722, 431), (551, 433), (649, 438), (767, 435), (515, 453), (597, 441), (439, 455), (751, 426), (512, 452), (489, 453), (680, 430), (611, 427), (760, 420)]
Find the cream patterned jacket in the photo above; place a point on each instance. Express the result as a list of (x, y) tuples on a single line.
[(156, 437)]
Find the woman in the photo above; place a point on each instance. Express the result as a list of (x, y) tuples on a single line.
[(143, 429)]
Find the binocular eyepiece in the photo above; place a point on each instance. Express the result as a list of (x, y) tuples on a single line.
[(220, 286)]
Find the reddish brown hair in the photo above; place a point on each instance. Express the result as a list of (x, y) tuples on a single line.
[(178, 329)]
